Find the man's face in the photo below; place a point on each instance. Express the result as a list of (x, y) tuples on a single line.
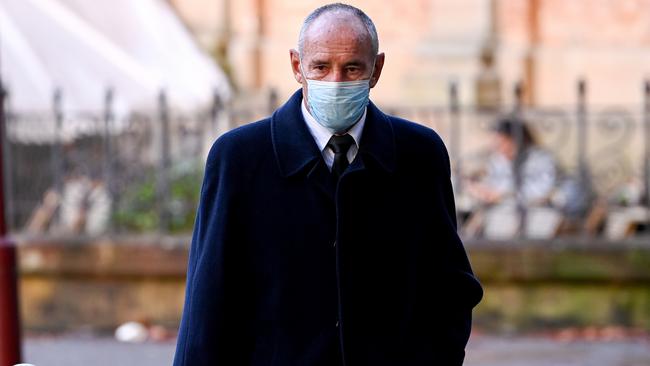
[(336, 47)]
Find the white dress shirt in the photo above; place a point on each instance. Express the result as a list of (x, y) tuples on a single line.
[(322, 136)]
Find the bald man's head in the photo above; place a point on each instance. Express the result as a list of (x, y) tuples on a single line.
[(338, 43), (332, 17)]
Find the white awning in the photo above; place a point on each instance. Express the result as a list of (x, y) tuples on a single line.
[(137, 48)]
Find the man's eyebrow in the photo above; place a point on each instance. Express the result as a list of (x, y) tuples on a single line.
[(326, 62), (354, 63), (318, 62)]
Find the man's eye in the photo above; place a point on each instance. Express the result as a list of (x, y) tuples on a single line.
[(319, 67)]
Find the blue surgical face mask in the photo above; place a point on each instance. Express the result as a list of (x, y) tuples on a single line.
[(337, 105)]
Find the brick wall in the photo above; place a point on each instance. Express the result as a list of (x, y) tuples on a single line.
[(548, 43)]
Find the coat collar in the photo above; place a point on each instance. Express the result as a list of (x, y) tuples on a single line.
[(295, 148)]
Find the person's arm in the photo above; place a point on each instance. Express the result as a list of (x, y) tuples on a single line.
[(497, 184), (212, 325), (540, 176), (460, 289)]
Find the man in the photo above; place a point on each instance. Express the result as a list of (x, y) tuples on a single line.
[(326, 234)]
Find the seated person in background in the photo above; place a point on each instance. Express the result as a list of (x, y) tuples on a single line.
[(537, 166), (497, 189)]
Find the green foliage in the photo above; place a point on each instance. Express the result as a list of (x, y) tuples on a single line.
[(138, 206)]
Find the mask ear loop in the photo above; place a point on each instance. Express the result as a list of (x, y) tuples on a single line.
[(374, 64), (304, 77), (302, 71)]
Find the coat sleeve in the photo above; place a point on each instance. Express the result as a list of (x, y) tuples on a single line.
[(460, 289), (212, 321)]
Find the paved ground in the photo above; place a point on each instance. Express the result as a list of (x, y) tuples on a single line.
[(497, 351), (482, 351), (71, 351)]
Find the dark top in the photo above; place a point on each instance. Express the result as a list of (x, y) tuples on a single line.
[(289, 267)]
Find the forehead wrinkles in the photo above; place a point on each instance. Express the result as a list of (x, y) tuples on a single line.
[(336, 45), (337, 32)]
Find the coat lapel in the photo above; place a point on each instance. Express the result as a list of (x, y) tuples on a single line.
[(323, 179), (378, 140), (294, 147), (296, 151)]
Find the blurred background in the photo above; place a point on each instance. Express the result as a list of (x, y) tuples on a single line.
[(109, 109)]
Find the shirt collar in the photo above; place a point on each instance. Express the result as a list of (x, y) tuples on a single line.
[(322, 135), (295, 150)]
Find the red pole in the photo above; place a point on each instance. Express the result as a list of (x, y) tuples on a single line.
[(9, 319)]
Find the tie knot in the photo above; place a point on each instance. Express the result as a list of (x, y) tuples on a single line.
[(340, 143)]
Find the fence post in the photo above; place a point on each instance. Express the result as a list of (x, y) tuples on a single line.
[(646, 156), (215, 113), (10, 338), (454, 136), (518, 161), (581, 134), (210, 125), (214, 110), (108, 157), (162, 186), (57, 159), (10, 211), (273, 100)]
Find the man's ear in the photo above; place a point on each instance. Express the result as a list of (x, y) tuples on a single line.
[(379, 65), (295, 65)]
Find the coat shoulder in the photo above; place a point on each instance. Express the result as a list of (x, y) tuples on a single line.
[(241, 142), (418, 139)]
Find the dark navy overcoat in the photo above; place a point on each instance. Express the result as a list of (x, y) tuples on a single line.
[(288, 267)]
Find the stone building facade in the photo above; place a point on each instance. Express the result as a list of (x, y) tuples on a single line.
[(547, 44)]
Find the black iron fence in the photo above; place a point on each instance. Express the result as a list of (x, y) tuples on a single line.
[(97, 172), (598, 157)]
